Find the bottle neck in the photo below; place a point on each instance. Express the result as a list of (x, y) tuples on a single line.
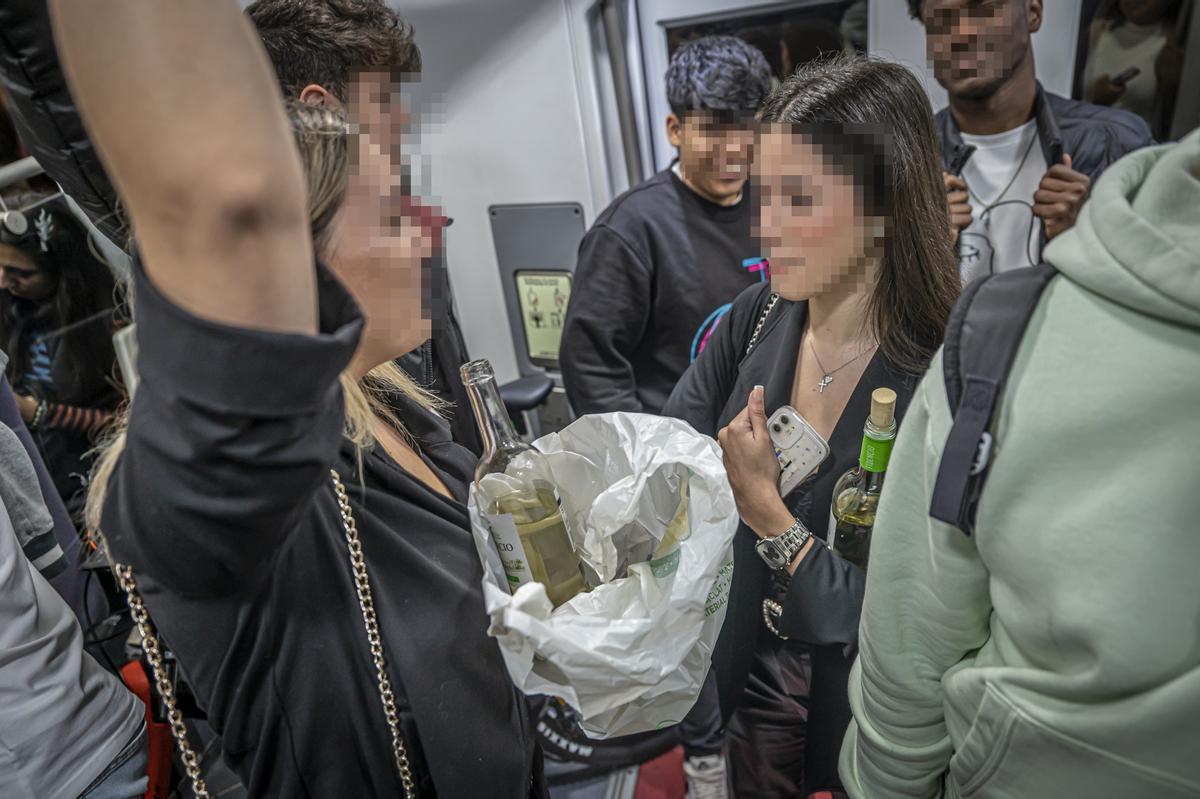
[(495, 427), (876, 450)]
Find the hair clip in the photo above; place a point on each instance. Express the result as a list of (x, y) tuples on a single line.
[(44, 225), (14, 222)]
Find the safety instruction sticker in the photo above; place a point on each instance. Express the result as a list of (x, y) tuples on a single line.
[(544, 297)]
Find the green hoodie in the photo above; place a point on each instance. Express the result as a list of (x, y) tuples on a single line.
[(1056, 653)]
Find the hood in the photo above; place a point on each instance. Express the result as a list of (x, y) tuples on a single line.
[(1137, 239)]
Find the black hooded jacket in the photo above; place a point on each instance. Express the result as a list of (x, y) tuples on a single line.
[(223, 505), (1093, 135)]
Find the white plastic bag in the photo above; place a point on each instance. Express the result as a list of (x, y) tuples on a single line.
[(632, 654)]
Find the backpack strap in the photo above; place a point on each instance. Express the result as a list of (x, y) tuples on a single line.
[(982, 337)]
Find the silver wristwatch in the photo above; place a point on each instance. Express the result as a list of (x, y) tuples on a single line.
[(781, 550)]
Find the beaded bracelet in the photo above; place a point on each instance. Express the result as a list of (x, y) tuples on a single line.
[(39, 415)]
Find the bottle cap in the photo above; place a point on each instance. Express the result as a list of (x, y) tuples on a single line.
[(883, 407)]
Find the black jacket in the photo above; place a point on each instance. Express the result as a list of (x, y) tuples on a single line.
[(1093, 135), (222, 503), (46, 118), (824, 597)]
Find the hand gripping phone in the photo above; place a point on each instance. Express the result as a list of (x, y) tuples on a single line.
[(799, 448), (1126, 76)]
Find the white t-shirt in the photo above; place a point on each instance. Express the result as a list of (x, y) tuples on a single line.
[(1006, 236), (1129, 45)]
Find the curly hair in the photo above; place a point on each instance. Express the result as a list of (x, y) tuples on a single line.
[(717, 73), (323, 42)]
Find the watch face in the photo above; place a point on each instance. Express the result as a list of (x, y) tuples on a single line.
[(768, 550)]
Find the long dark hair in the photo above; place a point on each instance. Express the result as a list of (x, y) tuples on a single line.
[(78, 316), (884, 138)]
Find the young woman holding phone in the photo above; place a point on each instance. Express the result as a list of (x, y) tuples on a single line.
[(863, 277)]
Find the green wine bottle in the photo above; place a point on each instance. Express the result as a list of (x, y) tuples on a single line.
[(856, 493)]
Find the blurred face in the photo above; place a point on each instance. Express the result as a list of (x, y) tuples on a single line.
[(21, 278), (975, 46), (714, 156), (383, 235), (812, 226)]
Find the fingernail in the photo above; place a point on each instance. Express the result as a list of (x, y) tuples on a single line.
[(758, 387)]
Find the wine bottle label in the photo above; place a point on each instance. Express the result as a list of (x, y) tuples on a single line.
[(666, 565), (508, 544), (875, 454)]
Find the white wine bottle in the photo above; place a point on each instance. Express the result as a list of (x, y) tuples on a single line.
[(522, 509), (856, 493)]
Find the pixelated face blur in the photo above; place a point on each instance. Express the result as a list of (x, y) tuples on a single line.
[(975, 46), (714, 153), (812, 226), (383, 234), (20, 277)]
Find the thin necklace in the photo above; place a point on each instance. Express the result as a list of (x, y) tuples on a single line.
[(986, 213), (827, 378)]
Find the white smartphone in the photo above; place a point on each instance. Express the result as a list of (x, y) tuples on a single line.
[(799, 448)]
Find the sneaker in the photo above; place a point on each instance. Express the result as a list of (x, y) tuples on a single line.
[(706, 777)]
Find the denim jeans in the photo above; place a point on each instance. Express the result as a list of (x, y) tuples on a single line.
[(701, 730), (125, 777)]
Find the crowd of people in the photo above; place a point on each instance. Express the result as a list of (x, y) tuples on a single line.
[(284, 495)]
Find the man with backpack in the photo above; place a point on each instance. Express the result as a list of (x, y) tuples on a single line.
[(1036, 635)]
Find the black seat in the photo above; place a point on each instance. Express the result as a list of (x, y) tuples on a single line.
[(526, 393)]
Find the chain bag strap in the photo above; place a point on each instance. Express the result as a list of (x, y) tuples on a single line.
[(153, 650), (771, 610), (762, 319), (366, 602)]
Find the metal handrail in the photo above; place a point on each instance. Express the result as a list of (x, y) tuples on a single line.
[(626, 115), (19, 170)]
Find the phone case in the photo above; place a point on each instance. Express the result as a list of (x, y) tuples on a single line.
[(799, 448)]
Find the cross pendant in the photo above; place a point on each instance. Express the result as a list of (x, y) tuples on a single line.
[(826, 380)]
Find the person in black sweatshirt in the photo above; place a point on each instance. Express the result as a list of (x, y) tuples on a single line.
[(658, 269)]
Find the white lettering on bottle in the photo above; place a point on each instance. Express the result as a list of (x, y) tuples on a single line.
[(508, 545)]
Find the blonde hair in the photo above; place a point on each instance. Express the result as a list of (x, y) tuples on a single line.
[(322, 136)]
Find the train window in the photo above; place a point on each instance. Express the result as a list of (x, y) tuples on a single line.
[(791, 37), (1133, 55)]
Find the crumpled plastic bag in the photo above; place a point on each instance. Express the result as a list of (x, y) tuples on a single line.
[(632, 654)]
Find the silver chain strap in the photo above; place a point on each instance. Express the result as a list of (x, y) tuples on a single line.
[(153, 650), (761, 321), (771, 609), (362, 585)]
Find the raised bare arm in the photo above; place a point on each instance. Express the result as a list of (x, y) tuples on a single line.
[(185, 112)]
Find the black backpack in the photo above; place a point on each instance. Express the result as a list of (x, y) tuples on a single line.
[(982, 336)]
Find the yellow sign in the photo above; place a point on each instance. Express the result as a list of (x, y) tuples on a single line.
[(543, 297)]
